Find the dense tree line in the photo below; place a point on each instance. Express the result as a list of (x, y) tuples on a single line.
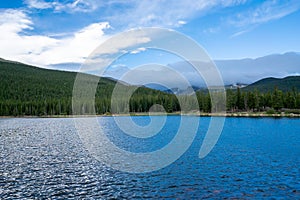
[(142, 101), (255, 101)]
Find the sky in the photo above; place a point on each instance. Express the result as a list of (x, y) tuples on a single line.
[(55, 33)]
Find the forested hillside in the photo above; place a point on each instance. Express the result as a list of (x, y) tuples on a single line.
[(269, 84), (28, 90)]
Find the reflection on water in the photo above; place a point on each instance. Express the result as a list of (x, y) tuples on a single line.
[(254, 158)]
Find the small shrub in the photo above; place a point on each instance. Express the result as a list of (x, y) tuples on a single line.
[(271, 112)]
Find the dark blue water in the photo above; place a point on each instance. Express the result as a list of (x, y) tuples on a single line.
[(255, 158)]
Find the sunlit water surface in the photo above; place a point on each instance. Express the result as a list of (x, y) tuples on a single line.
[(254, 158)]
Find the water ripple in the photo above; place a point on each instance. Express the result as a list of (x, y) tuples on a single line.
[(45, 159)]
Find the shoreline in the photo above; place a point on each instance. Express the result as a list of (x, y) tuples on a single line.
[(237, 114)]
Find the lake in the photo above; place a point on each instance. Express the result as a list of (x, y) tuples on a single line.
[(253, 158)]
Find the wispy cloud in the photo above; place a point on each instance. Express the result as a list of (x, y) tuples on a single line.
[(137, 13), (39, 4), (211, 30), (240, 33), (74, 6), (263, 13), (166, 13)]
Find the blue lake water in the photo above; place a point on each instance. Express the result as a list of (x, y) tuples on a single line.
[(254, 158)]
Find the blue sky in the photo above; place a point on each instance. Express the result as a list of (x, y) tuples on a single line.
[(52, 32)]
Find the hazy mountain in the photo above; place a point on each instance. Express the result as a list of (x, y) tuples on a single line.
[(250, 70), (233, 72)]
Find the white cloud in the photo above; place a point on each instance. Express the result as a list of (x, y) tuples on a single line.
[(75, 48), (15, 45), (17, 19), (117, 46), (123, 43), (181, 22), (43, 50), (138, 50)]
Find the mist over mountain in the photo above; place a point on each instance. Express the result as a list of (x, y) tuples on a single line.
[(251, 70), (240, 71)]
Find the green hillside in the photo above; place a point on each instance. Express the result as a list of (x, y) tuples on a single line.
[(28, 90), (269, 84)]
